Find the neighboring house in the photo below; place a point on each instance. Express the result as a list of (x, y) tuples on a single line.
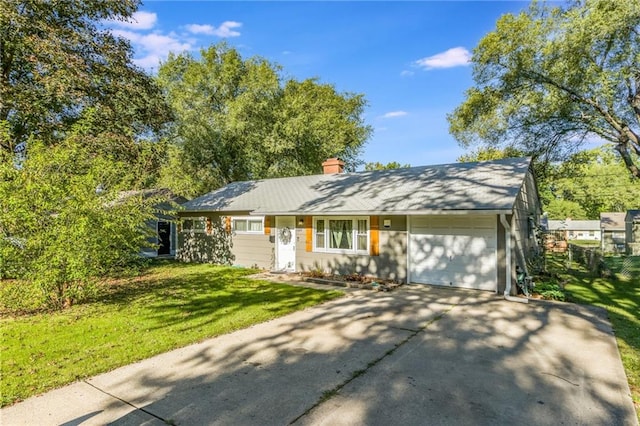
[(570, 229), (632, 232), (613, 232), (462, 224), (164, 242)]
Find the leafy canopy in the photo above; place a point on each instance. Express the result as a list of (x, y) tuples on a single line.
[(58, 66), (490, 153), (389, 166), (550, 78), (588, 183), (64, 220), (89, 119), (240, 119)]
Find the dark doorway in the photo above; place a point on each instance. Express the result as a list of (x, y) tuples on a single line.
[(164, 238)]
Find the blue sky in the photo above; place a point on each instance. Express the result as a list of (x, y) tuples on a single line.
[(409, 59)]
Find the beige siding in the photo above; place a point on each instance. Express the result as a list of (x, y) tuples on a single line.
[(502, 258), (199, 247), (391, 263), (526, 216), (253, 250), (212, 246)]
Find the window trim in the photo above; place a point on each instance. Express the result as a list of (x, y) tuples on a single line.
[(247, 219), (354, 235), (194, 219)]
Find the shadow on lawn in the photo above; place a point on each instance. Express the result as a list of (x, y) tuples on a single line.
[(194, 296), (168, 277)]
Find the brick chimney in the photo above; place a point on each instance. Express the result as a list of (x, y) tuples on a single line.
[(333, 165)]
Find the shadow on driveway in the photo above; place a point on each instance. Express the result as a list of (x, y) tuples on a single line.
[(419, 355)]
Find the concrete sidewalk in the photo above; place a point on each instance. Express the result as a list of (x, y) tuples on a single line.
[(419, 355)]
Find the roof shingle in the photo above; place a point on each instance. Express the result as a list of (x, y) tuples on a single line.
[(488, 185)]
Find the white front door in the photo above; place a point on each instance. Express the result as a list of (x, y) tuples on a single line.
[(286, 243)]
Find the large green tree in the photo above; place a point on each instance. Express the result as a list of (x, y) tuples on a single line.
[(239, 119), (550, 77), (66, 218), (588, 183), (89, 120), (59, 66)]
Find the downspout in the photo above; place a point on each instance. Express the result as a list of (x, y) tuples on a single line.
[(507, 249)]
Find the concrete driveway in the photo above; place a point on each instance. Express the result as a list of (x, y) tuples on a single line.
[(417, 356)]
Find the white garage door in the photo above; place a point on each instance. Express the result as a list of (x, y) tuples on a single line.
[(457, 251)]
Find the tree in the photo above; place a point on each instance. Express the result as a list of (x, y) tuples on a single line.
[(64, 221), (490, 153), (550, 78), (239, 119), (588, 183), (389, 166), (59, 67), (90, 119)]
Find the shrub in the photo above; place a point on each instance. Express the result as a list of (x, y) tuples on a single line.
[(67, 210), (550, 291)]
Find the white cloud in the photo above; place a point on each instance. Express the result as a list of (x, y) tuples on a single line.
[(225, 30), (406, 73), (154, 47), (200, 29), (454, 57), (394, 114), (139, 21)]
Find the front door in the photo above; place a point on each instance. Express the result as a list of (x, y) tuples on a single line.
[(164, 237), (286, 243)]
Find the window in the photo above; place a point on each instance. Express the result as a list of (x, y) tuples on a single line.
[(319, 234), (247, 225), (341, 234), (197, 224)]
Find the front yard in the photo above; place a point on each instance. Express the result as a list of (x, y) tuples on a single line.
[(169, 306)]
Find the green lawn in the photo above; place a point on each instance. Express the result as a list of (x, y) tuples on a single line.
[(170, 306), (586, 243), (621, 297)]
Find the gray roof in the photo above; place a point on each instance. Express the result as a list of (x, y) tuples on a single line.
[(574, 225), (488, 185), (632, 216), (612, 221)]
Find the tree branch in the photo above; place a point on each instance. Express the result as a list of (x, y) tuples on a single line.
[(622, 148)]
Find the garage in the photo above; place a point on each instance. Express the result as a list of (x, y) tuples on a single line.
[(456, 251)]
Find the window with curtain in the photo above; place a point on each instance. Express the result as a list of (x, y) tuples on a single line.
[(247, 225), (341, 234)]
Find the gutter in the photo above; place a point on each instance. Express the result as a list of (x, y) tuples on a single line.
[(507, 248), (377, 212)]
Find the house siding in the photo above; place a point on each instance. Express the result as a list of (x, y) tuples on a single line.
[(613, 241), (253, 250), (390, 263), (525, 219), (212, 246), (501, 255), (197, 247), (632, 234)]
